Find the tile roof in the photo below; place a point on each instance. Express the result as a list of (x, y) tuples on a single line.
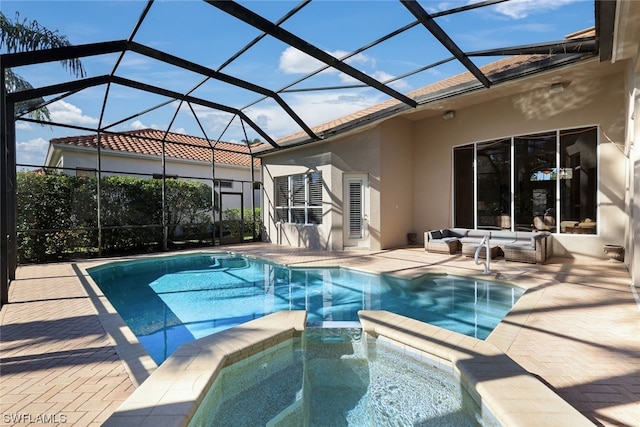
[(146, 141), (503, 65), (179, 146), (510, 64)]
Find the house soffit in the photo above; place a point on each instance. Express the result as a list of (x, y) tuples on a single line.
[(572, 74), (414, 22)]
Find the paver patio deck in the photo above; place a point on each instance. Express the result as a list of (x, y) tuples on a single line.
[(579, 332)]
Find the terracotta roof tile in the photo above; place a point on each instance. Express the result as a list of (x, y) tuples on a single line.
[(148, 141), (500, 66)]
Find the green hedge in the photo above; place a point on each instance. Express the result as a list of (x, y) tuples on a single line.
[(57, 214), (234, 225), (56, 208)]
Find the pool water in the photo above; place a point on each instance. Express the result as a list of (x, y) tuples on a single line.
[(169, 301), (336, 377)]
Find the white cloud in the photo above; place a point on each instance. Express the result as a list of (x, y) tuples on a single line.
[(63, 112), (215, 122), (433, 7), (313, 109), (137, 125), (23, 126), (519, 9), (293, 61), (32, 152), (359, 59), (399, 85)]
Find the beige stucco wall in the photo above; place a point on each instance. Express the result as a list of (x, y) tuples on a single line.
[(396, 185), (584, 102), (632, 258), (409, 163), (310, 159), (359, 153)]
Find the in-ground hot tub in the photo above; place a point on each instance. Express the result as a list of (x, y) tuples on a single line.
[(504, 392), (336, 376)]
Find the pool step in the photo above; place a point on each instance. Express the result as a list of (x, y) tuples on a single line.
[(291, 416)]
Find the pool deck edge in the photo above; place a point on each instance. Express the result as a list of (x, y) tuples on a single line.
[(511, 395), (135, 358), (578, 333), (171, 395)]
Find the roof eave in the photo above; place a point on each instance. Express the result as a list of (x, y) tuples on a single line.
[(498, 78), (61, 147)]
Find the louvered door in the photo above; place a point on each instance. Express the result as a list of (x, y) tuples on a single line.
[(356, 211)]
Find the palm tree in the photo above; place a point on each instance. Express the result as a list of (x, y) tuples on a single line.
[(23, 36)]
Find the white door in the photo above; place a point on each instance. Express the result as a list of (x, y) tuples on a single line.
[(356, 209)]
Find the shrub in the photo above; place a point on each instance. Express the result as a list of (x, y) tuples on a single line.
[(53, 214), (233, 224), (189, 211), (57, 214)]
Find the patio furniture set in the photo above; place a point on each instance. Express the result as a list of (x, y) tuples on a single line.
[(521, 246)]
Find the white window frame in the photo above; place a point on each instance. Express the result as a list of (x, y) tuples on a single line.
[(307, 207)]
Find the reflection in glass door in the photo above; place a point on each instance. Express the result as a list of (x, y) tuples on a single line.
[(494, 184), (463, 187), (546, 182), (535, 192)]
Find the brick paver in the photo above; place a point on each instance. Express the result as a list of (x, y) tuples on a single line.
[(581, 337), (58, 364)]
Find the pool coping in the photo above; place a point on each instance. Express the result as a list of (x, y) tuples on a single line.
[(171, 395), (141, 366), (504, 390)]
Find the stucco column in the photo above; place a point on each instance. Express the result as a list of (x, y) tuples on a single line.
[(634, 168)]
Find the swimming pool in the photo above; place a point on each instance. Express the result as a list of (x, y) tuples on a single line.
[(168, 301)]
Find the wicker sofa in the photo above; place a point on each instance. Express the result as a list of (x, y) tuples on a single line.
[(473, 239), (521, 246), (530, 247), (445, 241)]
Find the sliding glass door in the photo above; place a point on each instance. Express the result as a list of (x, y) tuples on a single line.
[(535, 171), (494, 184), (463, 186), (545, 181), (578, 180)]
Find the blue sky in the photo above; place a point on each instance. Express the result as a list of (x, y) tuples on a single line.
[(198, 32)]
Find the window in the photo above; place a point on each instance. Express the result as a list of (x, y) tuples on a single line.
[(298, 198), (224, 183), (545, 181), (535, 192), (493, 182)]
